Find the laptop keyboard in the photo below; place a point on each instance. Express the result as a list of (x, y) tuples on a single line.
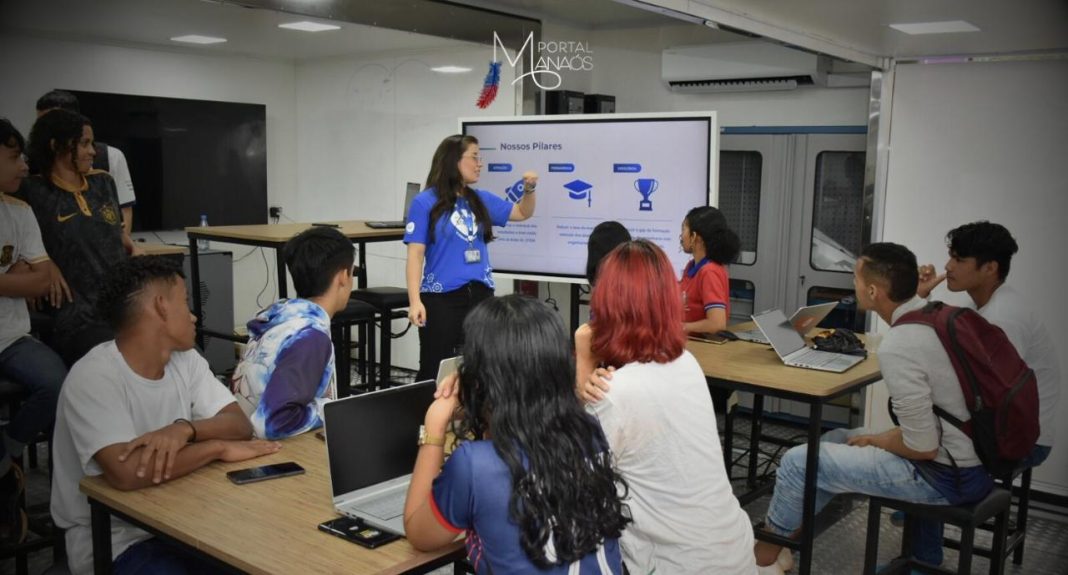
[(387, 506), (816, 359)]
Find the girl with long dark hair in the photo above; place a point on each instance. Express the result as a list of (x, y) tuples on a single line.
[(77, 209), (660, 424), (449, 226), (533, 486), (705, 283)]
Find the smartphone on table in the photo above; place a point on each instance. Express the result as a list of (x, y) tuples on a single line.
[(709, 338), (264, 472), (357, 531)]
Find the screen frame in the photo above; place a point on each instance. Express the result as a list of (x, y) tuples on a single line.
[(712, 169)]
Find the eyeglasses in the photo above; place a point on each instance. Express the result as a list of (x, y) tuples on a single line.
[(477, 158)]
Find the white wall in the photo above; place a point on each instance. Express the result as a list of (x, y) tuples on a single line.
[(34, 66), (368, 126), (988, 141)]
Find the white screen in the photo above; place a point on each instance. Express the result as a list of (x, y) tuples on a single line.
[(672, 157)]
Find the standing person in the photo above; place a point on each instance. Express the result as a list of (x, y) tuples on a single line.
[(108, 158), (24, 272), (705, 283), (142, 410), (660, 424), (287, 370), (77, 210), (449, 226), (534, 488)]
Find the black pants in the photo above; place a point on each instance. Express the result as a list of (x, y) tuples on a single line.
[(442, 336)]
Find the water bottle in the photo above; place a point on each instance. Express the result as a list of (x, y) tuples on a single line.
[(202, 244)]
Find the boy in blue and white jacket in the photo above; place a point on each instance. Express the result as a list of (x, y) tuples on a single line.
[(287, 371)]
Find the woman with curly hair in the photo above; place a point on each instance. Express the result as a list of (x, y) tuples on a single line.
[(705, 283), (534, 486), (77, 209), (657, 415)]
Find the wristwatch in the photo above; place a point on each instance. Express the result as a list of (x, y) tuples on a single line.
[(425, 439)]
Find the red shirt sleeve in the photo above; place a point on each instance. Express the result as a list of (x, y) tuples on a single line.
[(714, 287)]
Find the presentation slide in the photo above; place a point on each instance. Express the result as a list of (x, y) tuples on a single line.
[(645, 172)]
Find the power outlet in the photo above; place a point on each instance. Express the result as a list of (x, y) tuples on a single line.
[(275, 212)]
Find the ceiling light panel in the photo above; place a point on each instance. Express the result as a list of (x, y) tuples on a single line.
[(950, 27)]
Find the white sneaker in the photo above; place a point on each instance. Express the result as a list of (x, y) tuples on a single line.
[(785, 559), (773, 569)]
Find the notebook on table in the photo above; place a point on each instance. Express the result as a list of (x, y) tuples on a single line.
[(791, 348), (804, 319), (371, 445), (410, 192)]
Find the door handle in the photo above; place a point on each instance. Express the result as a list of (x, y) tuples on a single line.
[(802, 280)]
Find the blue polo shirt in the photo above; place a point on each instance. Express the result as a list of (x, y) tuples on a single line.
[(473, 493), (445, 268)]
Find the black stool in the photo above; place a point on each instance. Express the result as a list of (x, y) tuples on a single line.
[(967, 517), (1017, 530), (387, 301), (355, 313)]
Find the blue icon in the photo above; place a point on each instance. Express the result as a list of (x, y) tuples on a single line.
[(579, 190), (646, 187), (514, 192)]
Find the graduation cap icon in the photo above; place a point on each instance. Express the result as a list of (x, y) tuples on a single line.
[(579, 190)]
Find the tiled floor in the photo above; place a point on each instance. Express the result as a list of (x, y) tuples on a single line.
[(839, 547)]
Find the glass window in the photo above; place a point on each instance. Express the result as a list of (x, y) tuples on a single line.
[(845, 314), (838, 211), (739, 198), (743, 296)]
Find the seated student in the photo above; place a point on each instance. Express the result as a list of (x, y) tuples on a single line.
[(78, 212), (24, 272), (603, 239), (288, 366), (705, 283), (979, 258), (912, 462), (141, 410), (534, 490), (108, 159), (661, 427)]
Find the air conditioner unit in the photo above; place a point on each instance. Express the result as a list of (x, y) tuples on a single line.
[(740, 67)]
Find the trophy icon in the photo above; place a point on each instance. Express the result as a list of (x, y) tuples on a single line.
[(646, 187)]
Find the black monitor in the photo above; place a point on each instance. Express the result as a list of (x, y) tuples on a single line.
[(186, 157)]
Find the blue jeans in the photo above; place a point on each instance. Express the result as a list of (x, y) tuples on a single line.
[(927, 545), (38, 369), (158, 557), (844, 469)]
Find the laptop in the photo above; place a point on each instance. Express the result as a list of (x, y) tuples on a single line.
[(371, 445), (804, 319), (791, 348), (410, 192)]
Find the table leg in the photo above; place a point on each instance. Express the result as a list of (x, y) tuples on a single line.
[(361, 279), (194, 282), (100, 520), (755, 430), (808, 506), (280, 267)]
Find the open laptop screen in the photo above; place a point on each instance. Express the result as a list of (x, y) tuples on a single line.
[(410, 192), (779, 331), (372, 437)]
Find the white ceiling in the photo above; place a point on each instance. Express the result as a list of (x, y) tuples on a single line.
[(1005, 27)]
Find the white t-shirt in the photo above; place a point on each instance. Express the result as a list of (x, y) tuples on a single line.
[(661, 427), (20, 239), (120, 172), (104, 402), (1010, 310)]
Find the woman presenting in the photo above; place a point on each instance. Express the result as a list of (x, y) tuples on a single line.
[(449, 225)]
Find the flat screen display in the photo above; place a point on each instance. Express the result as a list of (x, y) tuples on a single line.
[(644, 171), (186, 157)]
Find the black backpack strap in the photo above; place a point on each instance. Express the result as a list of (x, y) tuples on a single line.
[(950, 418)]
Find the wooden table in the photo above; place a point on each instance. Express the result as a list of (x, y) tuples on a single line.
[(755, 368), (266, 527), (151, 249), (275, 236)]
